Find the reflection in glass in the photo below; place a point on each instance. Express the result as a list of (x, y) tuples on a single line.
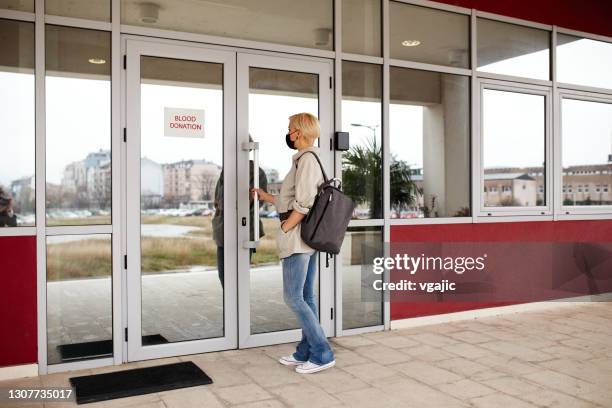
[(586, 132), (511, 49), (78, 121), (362, 117), (181, 200), (513, 140), (17, 113), (274, 96), (416, 35), (291, 22), (583, 61), (20, 5), (362, 306), (79, 298), (429, 142), (361, 24), (89, 9)]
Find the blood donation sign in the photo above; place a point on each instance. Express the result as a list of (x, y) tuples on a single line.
[(179, 122)]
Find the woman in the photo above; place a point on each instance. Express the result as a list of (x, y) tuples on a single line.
[(299, 261)]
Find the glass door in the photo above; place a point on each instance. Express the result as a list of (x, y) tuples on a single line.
[(180, 145), (270, 89)]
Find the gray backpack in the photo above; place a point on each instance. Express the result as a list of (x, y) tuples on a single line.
[(325, 225)]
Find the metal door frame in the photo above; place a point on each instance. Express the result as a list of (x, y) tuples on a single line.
[(326, 272), (135, 48), (237, 285)]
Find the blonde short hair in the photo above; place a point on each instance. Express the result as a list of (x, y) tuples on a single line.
[(307, 123)]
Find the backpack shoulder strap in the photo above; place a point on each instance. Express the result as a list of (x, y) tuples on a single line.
[(318, 160)]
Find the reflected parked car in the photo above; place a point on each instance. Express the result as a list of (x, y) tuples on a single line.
[(25, 219)]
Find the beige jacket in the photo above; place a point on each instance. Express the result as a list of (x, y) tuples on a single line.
[(297, 193)]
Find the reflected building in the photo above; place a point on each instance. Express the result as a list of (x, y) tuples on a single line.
[(588, 185), (272, 176), (274, 184), (87, 183), (509, 189), (582, 185), (151, 183), (23, 194), (189, 180)]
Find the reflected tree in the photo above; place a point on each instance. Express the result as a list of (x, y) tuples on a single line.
[(404, 192), (362, 178)]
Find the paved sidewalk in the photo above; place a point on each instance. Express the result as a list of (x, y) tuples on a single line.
[(561, 357)]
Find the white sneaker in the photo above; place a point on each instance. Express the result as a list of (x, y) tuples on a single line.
[(310, 367), (290, 361)]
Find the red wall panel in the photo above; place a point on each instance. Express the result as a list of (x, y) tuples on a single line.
[(592, 16), (532, 231), (18, 342)]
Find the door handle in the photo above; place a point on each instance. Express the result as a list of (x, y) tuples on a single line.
[(254, 146)]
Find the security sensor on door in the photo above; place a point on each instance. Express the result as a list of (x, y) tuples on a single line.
[(341, 142)]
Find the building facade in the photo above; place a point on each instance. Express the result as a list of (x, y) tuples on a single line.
[(468, 120)]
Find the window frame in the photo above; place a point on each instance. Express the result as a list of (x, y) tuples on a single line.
[(26, 230), (477, 14), (518, 23), (573, 211), (469, 12), (338, 155), (340, 25), (582, 35), (118, 30), (480, 211), (415, 66), (58, 229)]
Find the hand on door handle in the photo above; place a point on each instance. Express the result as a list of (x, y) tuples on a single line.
[(263, 196)]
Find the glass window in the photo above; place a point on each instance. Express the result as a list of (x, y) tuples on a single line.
[(78, 91), (361, 27), (416, 35), (362, 118), (274, 95), (89, 9), (17, 124), (429, 144), (291, 22), (586, 129), (79, 298), (20, 5), (582, 61), (513, 145), (362, 305), (181, 187), (512, 49)]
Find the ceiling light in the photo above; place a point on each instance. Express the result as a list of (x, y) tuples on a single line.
[(322, 36), (149, 13), (410, 43), (97, 61)]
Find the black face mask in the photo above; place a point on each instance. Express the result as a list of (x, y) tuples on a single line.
[(290, 142)]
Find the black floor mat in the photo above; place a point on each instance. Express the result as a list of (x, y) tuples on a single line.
[(90, 349), (138, 381), (152, 339), (98, 349)]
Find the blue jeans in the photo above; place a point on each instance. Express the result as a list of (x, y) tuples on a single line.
[(299, 274)]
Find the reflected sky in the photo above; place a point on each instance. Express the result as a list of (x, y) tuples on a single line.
[(16, 126), (78, 121), (78, 118)]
